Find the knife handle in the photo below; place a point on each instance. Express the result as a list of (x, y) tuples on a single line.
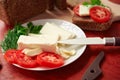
[(114, 41), (117, 41)]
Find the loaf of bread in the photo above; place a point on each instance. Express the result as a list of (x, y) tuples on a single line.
[(86, 23), (14, 11)]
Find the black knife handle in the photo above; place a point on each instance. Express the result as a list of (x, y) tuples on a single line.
[(117, 41), (114, 41)]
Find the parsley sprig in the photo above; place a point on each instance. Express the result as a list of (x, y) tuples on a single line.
[(93, 2), (10, 40)]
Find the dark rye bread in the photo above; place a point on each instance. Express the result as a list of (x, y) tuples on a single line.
[(86, 23), (61, 4), (50, 4), (14, 11)]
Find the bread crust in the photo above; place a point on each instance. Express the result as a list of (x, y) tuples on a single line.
[(61, 4), (86, 23), (14, 11), (50, 4)]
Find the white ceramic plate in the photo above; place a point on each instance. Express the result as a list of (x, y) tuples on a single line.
[(68, 26)]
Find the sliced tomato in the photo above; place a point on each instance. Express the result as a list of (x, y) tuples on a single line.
[(51, 60), (17, 57), (10, 55), (100, 14), (26, 61), (76, 10)]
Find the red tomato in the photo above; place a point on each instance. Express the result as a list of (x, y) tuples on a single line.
[(51, 60), (76, 10), (10, 55), (17, 57), (100, 14), (26, 61)]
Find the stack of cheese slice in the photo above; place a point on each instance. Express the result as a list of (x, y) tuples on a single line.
[(34, 44)]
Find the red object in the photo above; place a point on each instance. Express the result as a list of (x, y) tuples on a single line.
[(10, 56), (48, 59), (97, 13), (76, 10), (100, 14), (26, 61), (115, 1), (110, 65), (45, 59), (17, 57)]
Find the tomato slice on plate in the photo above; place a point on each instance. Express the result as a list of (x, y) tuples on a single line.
[(10, 55), (50, 60), (26, 61), (17, 57), (100, 14)]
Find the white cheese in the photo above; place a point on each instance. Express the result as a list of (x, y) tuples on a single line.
[(66, 53), (50, 28), (34, 44), (84, 10), (44, 42), (32, 52)]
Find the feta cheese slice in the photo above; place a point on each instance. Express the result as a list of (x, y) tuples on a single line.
[(66, 53), (44, 42), (50, 28), (32, 52), (84, 10)]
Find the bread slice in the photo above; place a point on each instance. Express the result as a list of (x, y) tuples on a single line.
[(14, 11), (86, 23)]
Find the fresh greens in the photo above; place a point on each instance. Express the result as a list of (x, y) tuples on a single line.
[(86, 3), (10, 40), (34, 28), (96, 2), (93, 2)]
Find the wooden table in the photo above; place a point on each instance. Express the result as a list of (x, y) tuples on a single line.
[(110, 65)]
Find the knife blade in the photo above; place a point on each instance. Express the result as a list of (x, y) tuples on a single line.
[(94, 70), (115, 41)]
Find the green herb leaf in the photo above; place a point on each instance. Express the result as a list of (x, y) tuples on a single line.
[(11, 38), (95, 2), (34, 28), (86, 3), (20, 30)]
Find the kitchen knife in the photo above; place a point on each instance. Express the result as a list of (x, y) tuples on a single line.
[(111, 41), (94, 70)]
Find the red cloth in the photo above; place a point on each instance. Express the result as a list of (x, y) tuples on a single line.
[(110, 65), (115, 1)]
